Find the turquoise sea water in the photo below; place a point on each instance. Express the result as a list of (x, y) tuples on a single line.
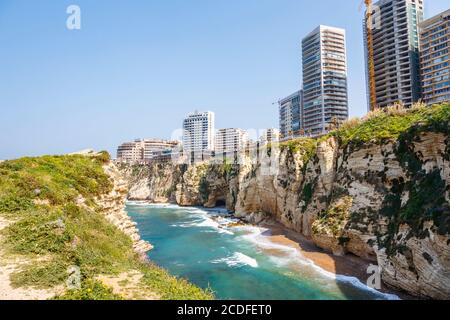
[(236, 263)]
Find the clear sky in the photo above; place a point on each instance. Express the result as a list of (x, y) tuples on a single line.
[(138, 66)]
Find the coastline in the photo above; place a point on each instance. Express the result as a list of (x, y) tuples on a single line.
[(348, 266)]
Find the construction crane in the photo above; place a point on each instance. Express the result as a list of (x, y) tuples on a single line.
[(370, 58)]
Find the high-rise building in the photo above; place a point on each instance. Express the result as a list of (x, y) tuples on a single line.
[(434, 58), (290, 115), (324, 79), (230, 140), (395, 32), (198, 133)]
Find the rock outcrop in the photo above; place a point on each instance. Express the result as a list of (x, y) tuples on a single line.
[(384, 201), (113, 206)]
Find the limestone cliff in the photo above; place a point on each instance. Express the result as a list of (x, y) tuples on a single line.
[(113, 206), (387, 200)]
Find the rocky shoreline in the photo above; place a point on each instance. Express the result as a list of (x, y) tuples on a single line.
[(113, 206), (277, 233), (348, 200)]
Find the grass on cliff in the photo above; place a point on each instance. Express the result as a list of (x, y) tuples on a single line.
[(390, 123), (332, 221), (378, 126), (53, 231), (306, 146)]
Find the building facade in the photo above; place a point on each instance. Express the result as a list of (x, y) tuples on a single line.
[(230, 140), (325, 97), (434, 58), (269, 136), (290, 115), (130, 152), (145, 150), (198, 132), (395, 30), (154, 148)]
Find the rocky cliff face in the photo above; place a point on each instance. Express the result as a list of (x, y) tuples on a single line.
[(113, 205), (385, 201)]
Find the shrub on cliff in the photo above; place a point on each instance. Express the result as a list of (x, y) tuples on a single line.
[(332, 222), (390, 123)]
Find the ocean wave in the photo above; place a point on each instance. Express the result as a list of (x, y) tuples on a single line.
[(291, 255), (152, 205), (238, 259), (203, 219)]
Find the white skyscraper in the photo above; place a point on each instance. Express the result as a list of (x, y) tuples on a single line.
[(198, 133), (324, 79)]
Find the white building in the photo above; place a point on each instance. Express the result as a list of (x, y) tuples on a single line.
[(130, 152), (269, 136), (396, 51), (198, 133), (144, 150), (325, 96), (155, 147), (230, 140)]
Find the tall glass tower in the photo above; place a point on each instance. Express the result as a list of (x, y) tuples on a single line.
[(396, 51), (325, 98)]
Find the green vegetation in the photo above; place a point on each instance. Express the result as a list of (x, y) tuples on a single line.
[(388, 124), (426, 191), (306, 146), (379, 126), (172, 288), (57, 224), (227, 168), (307, 194), (333, 221), (203, 188), (90, 290)]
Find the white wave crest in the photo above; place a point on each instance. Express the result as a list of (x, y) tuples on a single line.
[(238, 259), (152, 205), (292, 255)]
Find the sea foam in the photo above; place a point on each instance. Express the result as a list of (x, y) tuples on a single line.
[(291, 255), (238, 259)]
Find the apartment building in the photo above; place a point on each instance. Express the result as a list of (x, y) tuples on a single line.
[(154, 148), (198, 132), (395, 30), (325, 97), (434, 58), (269, 136), (144, 150), (230, 140), (130, 152), (290, 115)]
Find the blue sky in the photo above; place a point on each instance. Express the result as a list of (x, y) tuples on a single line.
[(138, 66)]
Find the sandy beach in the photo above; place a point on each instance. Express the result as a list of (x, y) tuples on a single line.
[(348, 265)]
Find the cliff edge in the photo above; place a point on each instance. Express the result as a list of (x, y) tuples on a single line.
[(64, 234), (378, 188)]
